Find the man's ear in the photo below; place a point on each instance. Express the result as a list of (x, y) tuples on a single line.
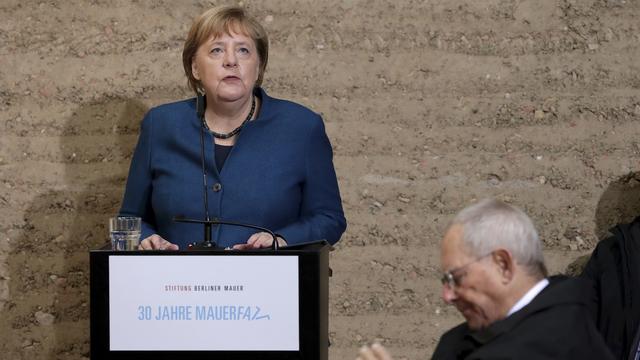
[(505, 264)]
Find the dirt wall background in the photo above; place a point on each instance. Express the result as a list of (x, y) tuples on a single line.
[(430, 105)]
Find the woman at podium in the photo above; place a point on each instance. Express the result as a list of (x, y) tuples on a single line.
[(233, 152)]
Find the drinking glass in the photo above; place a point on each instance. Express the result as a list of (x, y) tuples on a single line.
[(124, 232)]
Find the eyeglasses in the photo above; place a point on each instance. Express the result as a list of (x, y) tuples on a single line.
[(453, 277)]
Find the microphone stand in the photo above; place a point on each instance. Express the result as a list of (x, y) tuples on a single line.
[(209, 244)]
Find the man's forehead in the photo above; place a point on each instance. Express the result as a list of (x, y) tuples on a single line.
[(452, 239), (452, 251)]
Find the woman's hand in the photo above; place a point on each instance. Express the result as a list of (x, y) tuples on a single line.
[(375, 352), (156, 242), (259, 240)]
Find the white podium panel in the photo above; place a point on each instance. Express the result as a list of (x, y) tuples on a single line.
[(210, 303)]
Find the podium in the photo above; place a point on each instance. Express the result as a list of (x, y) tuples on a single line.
[(210, 304)]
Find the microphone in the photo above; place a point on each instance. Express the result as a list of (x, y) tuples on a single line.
[(200, 106), (208, 244)]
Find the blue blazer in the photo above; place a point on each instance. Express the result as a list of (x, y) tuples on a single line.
[(279, 175)]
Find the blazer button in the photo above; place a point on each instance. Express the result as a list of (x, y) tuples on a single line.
[(217, 187)]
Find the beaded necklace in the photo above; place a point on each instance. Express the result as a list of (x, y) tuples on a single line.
[(235, 131)]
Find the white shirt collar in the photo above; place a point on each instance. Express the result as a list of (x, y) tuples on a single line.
[(529, 296)]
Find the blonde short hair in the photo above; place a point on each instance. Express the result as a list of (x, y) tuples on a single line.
[(223, 20)]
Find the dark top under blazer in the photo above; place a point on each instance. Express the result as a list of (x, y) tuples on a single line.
[(279, 175), (554, 325)]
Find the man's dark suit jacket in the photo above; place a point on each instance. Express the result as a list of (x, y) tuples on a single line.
[(615, 297), (555, 325)]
